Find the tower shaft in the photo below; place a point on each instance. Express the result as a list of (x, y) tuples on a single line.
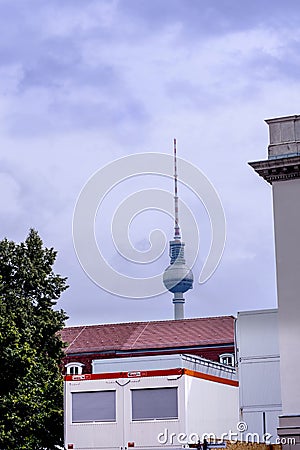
[(178, 301)]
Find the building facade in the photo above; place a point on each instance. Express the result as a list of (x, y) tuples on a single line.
[(136, 384), (282, 171), (210, 338)]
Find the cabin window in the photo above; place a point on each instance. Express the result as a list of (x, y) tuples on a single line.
[(74, 368), (98, 406), (154, 403), (227, 359)]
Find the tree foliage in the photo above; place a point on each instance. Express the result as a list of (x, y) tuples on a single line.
[(31, 387)]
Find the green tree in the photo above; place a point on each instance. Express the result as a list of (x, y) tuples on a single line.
[(31, 350)]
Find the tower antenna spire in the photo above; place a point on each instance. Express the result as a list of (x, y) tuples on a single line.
[(177, 278), (177, 235)]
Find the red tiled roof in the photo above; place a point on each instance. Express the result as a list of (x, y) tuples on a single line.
[(149, 335)]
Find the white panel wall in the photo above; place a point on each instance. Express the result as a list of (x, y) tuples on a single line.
[(286, 199), (145, 433), (93, 435), (259, 370), (260, 382), (211, 407), (203, 406), (255, 421), (116, 435), (257, 333), (137, 363)]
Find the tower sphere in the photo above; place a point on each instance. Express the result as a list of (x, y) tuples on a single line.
[(178, 278)]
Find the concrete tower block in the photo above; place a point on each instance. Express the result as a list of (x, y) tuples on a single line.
[(284, 137), (282, 170)]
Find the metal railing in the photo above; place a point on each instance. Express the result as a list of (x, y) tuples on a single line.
[(208, 363)]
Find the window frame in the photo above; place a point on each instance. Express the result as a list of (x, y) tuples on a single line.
[(155, 419), (74, 365), (227, 355), (94, 421)]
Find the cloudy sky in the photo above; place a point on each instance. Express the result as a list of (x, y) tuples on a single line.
[(83, 83)]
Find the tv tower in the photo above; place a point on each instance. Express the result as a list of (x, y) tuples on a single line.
[(177, 278)]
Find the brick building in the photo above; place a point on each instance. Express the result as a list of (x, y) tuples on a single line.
[(211, 338)]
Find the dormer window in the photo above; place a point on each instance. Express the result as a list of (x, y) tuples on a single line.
[(74, 368), (227, 359)]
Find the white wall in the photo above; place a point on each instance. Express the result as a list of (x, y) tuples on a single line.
[(114, 435), (286, 200), (89, 435), (259, 370), (203, 406), (211, 407)]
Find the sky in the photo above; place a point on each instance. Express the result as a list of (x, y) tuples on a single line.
[(84, 83)]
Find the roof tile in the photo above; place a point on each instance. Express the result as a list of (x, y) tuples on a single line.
[(149, 335)]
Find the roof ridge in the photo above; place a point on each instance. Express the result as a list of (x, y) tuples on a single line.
[(152, 321)]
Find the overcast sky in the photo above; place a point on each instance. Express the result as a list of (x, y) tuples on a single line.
[(83, 83)]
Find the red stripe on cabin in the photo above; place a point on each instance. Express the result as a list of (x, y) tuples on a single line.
[(135, 374), (206, 376), (150, 373)]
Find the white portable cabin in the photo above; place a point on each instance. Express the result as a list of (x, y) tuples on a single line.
[(149, 403), (259, 371)]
